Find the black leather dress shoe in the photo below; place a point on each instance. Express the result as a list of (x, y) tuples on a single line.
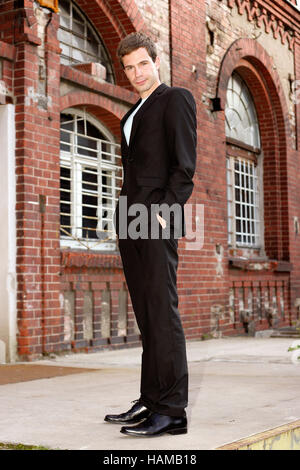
[(156, 425), (137, 413)]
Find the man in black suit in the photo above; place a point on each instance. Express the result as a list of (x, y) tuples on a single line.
[(159, 157)]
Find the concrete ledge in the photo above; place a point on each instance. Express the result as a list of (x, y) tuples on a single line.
[(286, 437)]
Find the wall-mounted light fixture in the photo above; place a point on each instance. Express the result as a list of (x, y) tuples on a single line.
[(216, 104)]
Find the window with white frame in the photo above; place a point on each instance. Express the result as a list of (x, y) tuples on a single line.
[(244, 181), (79, 41), (91, 177), (243, 202)]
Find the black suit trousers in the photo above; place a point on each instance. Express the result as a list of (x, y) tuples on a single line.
[(150, 267)]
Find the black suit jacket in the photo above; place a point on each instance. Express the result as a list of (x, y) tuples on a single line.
[(159, 162)]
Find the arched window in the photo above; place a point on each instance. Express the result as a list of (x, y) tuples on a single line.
[(244, 168), (91, 177), (240, 114), (79, 41)]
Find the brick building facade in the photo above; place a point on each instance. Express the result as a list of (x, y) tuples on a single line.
[(62, 95)]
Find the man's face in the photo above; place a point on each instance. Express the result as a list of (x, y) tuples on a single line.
[(141, 71)]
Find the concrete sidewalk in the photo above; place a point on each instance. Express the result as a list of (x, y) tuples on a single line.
[(238, 387)]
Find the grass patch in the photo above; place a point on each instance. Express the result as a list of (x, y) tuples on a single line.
[(5, 446)]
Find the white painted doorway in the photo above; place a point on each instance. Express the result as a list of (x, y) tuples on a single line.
[(8, 317)]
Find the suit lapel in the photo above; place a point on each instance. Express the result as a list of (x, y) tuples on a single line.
[(149, 101), (124, 118)]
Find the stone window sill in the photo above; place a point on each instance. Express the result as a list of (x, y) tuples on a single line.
[(260, 265), (83, 260)]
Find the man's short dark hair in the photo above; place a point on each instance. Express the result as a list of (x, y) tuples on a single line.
[(134, 41)]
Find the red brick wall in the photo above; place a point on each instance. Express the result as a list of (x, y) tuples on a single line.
[(202, 291), (211, 289), (37, 168), (40, 275), (199, 286)]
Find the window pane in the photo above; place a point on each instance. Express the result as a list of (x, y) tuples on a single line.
[(65, 137), (67, 124), (92, 131), (76, 15), (79, 28), (92, 48), (86, 146), (64, 22), (90, 180), (66, 51), (64, 7), (89, 217), (64, 36), (78, 42), (65, 140), (237, 179), (80, 122), (78, 56)]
